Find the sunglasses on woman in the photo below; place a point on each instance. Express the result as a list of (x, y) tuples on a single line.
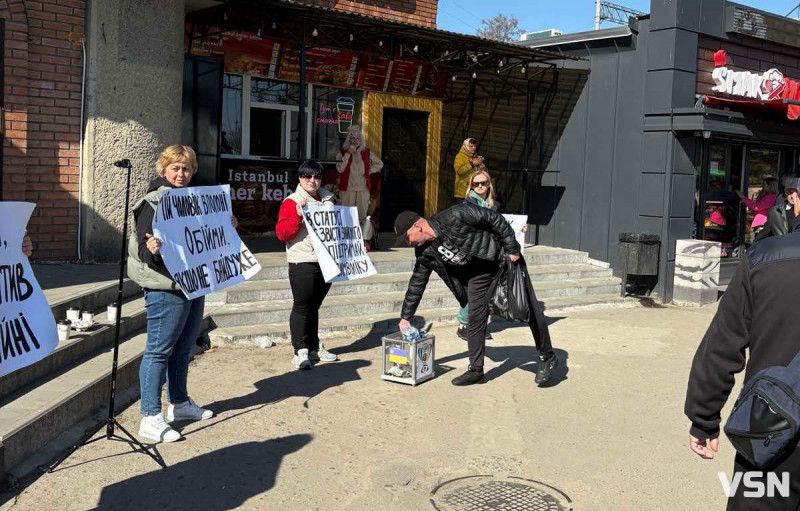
[(477, 184), (316, 177)]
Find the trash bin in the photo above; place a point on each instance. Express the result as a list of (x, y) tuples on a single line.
[(638, 256)]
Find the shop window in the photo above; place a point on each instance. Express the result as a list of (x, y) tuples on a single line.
[(279, 93), (260, 118), (231, 136), (761, 164), (334, 111)]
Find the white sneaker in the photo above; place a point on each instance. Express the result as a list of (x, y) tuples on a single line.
[(321, 355), (300, 360), (155, 428), (188, 410)]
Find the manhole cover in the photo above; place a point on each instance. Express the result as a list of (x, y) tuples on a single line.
[(480, 493)]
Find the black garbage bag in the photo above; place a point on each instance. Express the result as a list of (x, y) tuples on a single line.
[(510, 296)]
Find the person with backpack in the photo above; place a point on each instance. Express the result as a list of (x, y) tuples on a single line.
[(756, 314), (465, 245)]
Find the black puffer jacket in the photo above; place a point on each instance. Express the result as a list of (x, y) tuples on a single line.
[(479, 232)]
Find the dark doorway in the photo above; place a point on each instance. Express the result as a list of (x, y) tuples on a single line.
[(201, 114), (405, 146)]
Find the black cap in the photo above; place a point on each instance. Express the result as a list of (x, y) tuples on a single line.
[(403, 223)]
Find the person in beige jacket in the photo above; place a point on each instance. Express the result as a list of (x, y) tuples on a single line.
[(355, 166), (305, 276)]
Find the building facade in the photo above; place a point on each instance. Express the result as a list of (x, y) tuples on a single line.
[(651, 147), (43, 58)]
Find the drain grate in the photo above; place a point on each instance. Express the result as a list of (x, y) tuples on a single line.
[(482, 493)]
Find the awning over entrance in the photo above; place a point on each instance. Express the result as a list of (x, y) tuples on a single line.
[(447, 53), (788, 107), (515, 100)]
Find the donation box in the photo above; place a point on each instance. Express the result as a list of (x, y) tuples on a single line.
[(407, 361)]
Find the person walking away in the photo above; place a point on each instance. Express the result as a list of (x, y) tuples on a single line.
[(465, 245), (764, 200), (305, 276), (480, 192), (465, 163), (173, 321), (356, 164), (756, 316)]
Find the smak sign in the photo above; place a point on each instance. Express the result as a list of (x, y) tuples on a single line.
[(755, 484), (766, 86)]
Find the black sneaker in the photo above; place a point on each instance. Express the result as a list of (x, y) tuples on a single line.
[(471, 377), (545, 368)]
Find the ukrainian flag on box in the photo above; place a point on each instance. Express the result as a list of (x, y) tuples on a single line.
[(398, 356)]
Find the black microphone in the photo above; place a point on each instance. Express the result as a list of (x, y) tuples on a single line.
[(124, 164)]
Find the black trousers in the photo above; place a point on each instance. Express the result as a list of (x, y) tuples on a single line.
[(790, 464), (478, 279), (308, 291)]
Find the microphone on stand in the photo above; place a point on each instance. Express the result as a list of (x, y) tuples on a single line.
[(123, 164)]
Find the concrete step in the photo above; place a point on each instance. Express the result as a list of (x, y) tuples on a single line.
[(34, 416), (385, 322), (29, 420), (356, 305), (398, 260), (267, 290), (95, 299), (79, 345)]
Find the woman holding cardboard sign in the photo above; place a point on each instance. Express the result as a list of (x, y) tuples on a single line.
[(305, 276), (173, 321)]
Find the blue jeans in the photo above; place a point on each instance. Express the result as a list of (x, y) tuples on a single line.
[(173, 323)]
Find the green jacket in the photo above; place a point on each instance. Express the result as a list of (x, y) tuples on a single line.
[(139, 271)]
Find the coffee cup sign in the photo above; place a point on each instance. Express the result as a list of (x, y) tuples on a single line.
[(200, 246), (338, 242), (28, 330)]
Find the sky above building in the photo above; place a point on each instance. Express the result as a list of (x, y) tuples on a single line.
[(464, 16)]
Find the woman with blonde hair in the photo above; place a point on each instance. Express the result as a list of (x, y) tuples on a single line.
[(173, 321), (480, 192)]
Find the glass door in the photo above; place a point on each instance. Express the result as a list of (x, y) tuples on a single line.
[(718, 203), (726, 169), (764, 172)]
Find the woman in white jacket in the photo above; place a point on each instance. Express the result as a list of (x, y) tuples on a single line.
[(356, 164)]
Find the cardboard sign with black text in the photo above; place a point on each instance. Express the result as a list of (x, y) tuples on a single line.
[(27, 327), (338, 242), (201, 248)]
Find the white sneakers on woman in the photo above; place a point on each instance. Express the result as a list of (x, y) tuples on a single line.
[(155, 428), (188, 410), (303, 358)]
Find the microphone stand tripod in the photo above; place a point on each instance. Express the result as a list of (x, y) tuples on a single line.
[(111, 421)]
